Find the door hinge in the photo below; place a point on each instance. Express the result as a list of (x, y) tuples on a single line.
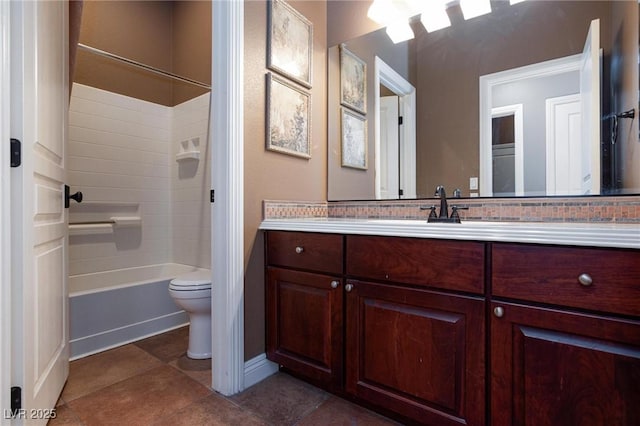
[(400, 120), (213, 195), (16, 153), (16, 400)]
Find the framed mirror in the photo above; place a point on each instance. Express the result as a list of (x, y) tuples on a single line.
[(467, 79)]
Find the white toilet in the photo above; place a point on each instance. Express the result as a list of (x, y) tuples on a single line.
[(192, 292)]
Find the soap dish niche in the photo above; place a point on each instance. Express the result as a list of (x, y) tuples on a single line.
[(189, 150)]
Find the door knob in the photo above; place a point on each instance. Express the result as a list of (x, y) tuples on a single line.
[(68, 196)]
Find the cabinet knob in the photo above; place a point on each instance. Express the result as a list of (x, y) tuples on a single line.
[(299, 249), (348, 287), (335, 284), (585, 280), (498, 311)]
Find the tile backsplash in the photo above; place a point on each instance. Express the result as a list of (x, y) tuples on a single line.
[(571, 209)]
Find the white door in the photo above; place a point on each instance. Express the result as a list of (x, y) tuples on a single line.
[(590, 92), (389, 148), (564, 174), (39, 104)]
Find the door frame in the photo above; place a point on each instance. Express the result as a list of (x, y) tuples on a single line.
[(5, 213), (386, 75), (227, 212), (488, 82)]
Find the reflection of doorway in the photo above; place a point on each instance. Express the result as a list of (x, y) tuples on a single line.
[(395, 177), (506, 151)]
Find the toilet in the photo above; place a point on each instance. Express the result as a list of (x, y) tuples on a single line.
[(192, 292)]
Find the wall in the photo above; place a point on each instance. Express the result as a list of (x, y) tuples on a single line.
[(174, 36), (117, 156), (271, 175)]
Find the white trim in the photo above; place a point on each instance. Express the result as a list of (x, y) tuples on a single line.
[(5, 211), (258, 369), (227, 212), (487, 83), (518, 130), (386, 75)]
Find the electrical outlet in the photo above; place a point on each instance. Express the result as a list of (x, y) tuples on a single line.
[(473, 183)]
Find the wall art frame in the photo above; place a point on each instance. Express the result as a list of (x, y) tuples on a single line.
[(290, 43), (353, 81), (353, 130), (288, 117)]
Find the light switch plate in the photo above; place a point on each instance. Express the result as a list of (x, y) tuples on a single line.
[(473, 183)]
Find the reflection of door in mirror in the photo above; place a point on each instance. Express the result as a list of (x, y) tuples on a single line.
[(395, 134), (389, 145), (507, 154)]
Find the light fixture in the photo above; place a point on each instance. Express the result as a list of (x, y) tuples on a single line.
[(473, 8), (382, 12), (399, 31), (434, 17)]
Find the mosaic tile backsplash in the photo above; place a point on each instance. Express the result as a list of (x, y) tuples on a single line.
[(571, 209)]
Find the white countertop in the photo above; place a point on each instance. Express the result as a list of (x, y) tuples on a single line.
[(578, 234)]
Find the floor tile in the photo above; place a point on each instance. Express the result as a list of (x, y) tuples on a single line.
[(139, 400), (65, 417), (337, 411), (213, 410), (281, 399), (94, 372), (198, 369), (167, 346)]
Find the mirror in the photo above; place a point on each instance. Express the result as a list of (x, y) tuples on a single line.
[(478, 67)]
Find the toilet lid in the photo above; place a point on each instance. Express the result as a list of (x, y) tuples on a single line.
[(196, 280)]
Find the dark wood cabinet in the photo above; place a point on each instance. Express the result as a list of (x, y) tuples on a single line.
[(552, 367), (304, 330), (418, 353), (459, 332)]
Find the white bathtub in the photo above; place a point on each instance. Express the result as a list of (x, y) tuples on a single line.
[(112, 308)]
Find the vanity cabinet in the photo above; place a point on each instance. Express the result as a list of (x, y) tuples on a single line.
[(304, 305), (575, 359)]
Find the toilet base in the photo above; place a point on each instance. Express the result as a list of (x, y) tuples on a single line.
[(199, 337)]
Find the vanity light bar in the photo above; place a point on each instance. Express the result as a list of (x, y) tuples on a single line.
[(474, 8), (434, 17), (400, 31)]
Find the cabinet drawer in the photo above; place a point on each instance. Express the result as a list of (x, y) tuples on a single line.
[(453, 265), (305, 250), (552, 275)]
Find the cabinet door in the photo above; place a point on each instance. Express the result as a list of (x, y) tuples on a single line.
[(551, 367), (304, 324), (416, 352)]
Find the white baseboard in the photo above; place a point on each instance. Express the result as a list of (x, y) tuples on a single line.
[(258, 369)]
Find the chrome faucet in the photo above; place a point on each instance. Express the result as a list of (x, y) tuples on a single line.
[(443, 216)]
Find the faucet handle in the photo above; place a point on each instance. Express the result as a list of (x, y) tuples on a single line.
[(432, 213), (454, 212)]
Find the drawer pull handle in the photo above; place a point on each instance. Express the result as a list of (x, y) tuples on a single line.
[(498, 311), (335, 284), (585, 280), (299, 249), (348, 287)]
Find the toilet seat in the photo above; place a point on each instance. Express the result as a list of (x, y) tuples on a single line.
[(192, 281)]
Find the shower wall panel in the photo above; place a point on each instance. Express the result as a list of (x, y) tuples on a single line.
[(118, 156), (190, 184)]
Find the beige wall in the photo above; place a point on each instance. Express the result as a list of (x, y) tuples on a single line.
[(171, 36), (271, 175)]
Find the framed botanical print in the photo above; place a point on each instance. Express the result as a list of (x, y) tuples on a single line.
[(288, 117), (353, 81), (290, 43), (354, 139)]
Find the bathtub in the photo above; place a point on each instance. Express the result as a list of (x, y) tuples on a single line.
[(112, 308)]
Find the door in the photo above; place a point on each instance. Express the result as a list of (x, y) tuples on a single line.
[(590, 95), (39, 104), (389, 148), (565, 173)]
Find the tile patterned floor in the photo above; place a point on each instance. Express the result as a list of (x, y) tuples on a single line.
[(152, 382)]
